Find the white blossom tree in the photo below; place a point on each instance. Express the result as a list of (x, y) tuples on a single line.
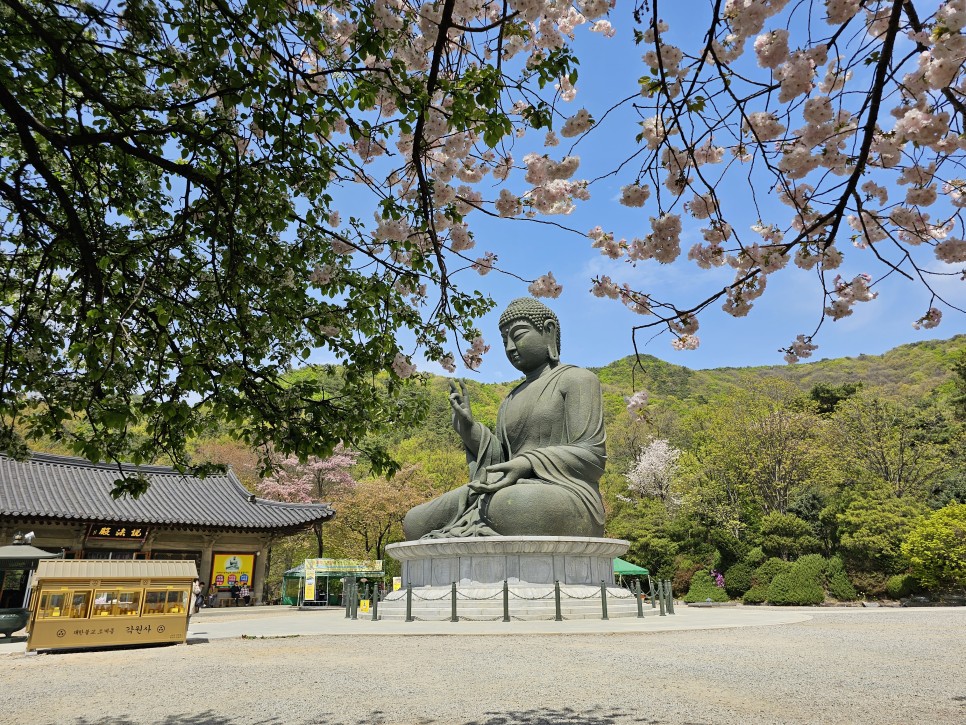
[(654, 471)]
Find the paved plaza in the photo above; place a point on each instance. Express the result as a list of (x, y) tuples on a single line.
[(278, 665)]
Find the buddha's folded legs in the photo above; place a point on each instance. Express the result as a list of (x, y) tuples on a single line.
[(535, 508), (436, 514), (527, 508)]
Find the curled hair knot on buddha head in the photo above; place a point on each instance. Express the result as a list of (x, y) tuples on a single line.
[(537, 314)]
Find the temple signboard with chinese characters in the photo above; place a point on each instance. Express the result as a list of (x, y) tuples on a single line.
[(118, 532)]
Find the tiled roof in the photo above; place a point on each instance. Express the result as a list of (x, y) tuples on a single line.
[(64, 488)]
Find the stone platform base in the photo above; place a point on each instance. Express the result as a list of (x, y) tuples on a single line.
[(529, 564), (525, 602)]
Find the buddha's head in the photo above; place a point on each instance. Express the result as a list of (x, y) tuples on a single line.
[(531, 334)]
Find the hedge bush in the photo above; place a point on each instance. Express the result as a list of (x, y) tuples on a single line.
[(813, 565), (839, 587), (768, 571), (758, 594), (703, 588), (801, 584), (761, 579), (738, 579), (755, 557), (901, 585), (795, 588), (837, 581)]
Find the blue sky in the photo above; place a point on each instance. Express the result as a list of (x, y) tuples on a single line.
[(598, 331)]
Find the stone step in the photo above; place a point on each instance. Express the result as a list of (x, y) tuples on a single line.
[(488, 610)]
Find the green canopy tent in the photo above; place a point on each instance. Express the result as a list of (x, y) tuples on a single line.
[(292, 584), (625, 568), (293, 580)]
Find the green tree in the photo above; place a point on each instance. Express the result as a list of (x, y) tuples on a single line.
[(170, 187), (827, 396), (872, 529), (936, 548), (787, 536), (370, 514), (887, 443), (758, 448), (959, 398)]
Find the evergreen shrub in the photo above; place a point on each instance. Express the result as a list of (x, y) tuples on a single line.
[(738, 579), (837, 581), (758, 594), (762, 578), (755, 557), (768, 570), (799, 585), (703, 588), (901, 585), (840, 588), (813, 565)]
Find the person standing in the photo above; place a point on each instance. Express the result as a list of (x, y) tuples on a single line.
[(195, 597)]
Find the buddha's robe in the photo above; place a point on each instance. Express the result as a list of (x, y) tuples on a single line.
[(554, 421)]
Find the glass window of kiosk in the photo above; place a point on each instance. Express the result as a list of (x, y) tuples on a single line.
[(163, 601), (67, 604), (116, 603)]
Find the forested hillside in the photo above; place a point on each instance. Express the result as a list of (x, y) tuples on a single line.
[(742, 471), (835, 479), (908, 370)]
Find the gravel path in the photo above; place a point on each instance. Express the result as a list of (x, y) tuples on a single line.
[(843, 666)]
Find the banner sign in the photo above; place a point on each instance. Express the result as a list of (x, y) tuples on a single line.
[(118, 532), (342, 567), (339, 568), (228, 569)]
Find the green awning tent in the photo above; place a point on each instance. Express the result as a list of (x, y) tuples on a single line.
[(625, 568), (293, 578), (292, 584)]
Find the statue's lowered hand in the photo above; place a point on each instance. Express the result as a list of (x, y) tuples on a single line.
[(501, 475)]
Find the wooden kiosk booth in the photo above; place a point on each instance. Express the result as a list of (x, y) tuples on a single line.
[(79, 603)]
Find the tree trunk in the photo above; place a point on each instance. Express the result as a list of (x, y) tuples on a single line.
[(317, 528)]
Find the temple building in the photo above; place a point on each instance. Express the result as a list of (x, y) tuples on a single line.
[(215, 522)]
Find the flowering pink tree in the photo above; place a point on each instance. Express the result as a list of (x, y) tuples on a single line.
[(253, 180), (850, 112), (318, 480)]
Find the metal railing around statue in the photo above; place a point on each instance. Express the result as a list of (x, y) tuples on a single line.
[(662, 596)]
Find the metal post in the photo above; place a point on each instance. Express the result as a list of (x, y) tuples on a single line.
[(409, 602), (556, 600), (670, 597), (660, 596), (640, 605), (650, 586), (603, 600), (452, 616), (354, 599), (346, 599), (374, 604), (506, 601)]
